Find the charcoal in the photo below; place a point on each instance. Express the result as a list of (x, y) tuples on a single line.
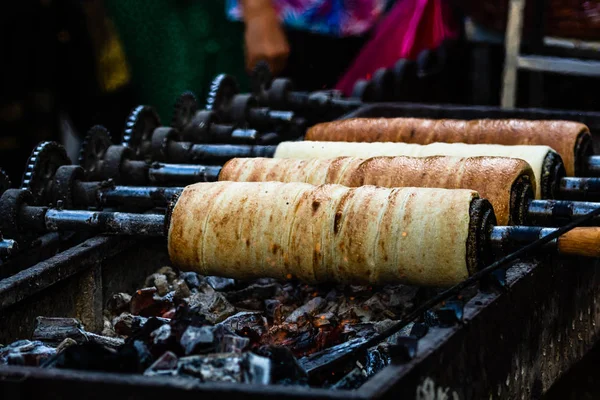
[(68, 342), (285, 369), (219, 283), (147, 303), (168, 272), (375, 360), (248, 322), (26, 352), (182, 290), (91, 356), (212, 305), (191, 279), (161, 336), (419, 330), (352, 380), (404, 349), (198, 340), (165, 365), (250, 305), (125, 324), (233, 344), (138, 354), (256, 369), (151, 279), (318, 360), (308, 309), (431, 319), (107, 329), (254, 291), (213, 367), (118, 303), (450, 313), (161, 284), (55, 330), (273, 309), (145, 331)]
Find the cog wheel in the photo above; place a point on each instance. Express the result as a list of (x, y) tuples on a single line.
[(222, 90), (45, 159), (261, 79), (5, 183), (139, 128), (93, 149), (184, 110)]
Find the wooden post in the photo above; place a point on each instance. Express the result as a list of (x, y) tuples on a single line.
[(512, 46)]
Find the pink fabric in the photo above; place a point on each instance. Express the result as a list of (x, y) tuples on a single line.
[(410, 27)]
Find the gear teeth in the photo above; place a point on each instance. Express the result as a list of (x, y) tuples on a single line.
[(219, 91), (49, 156), (96, 133), (261, 77), (184, 109), (137, 130)]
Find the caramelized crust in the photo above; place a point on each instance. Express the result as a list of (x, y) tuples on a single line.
[(561, 136), (535, 156), (492, 177), (327, 233)]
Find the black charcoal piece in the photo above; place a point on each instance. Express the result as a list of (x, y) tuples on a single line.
[(352, 380), (191, 279), (450, 313), (419, 330), (212, 367), (285, 368), (212, 305), (55, 330), (198, 340), (256, 369), (310, 308), (26, 352), (245, 322), (233, 344), (219, 283), (165, 365), (404, 349), (118, 302)]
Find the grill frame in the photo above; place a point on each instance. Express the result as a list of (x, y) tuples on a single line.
[(473, 359)]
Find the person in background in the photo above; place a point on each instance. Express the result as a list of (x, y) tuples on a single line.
[(310, 41), (172, 46)]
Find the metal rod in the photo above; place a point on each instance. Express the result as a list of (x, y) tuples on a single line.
[(579, 189), (182, 174), (102, 222), (558, 212), (146, 197), (216, 154), (593, 166)]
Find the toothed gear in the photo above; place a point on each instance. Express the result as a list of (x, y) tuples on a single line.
[(93, 149), (185, 109), (4, 182), (45, 159), (222, 90), (261, 78), (139, 128)]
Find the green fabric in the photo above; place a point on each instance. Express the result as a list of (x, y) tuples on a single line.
[(177, 45)]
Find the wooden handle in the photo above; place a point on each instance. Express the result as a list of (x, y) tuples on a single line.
[(581, 242)]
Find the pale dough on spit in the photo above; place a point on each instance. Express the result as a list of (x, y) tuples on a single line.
[(491, 177), (534, 155), (327, 233), (562, 136)]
